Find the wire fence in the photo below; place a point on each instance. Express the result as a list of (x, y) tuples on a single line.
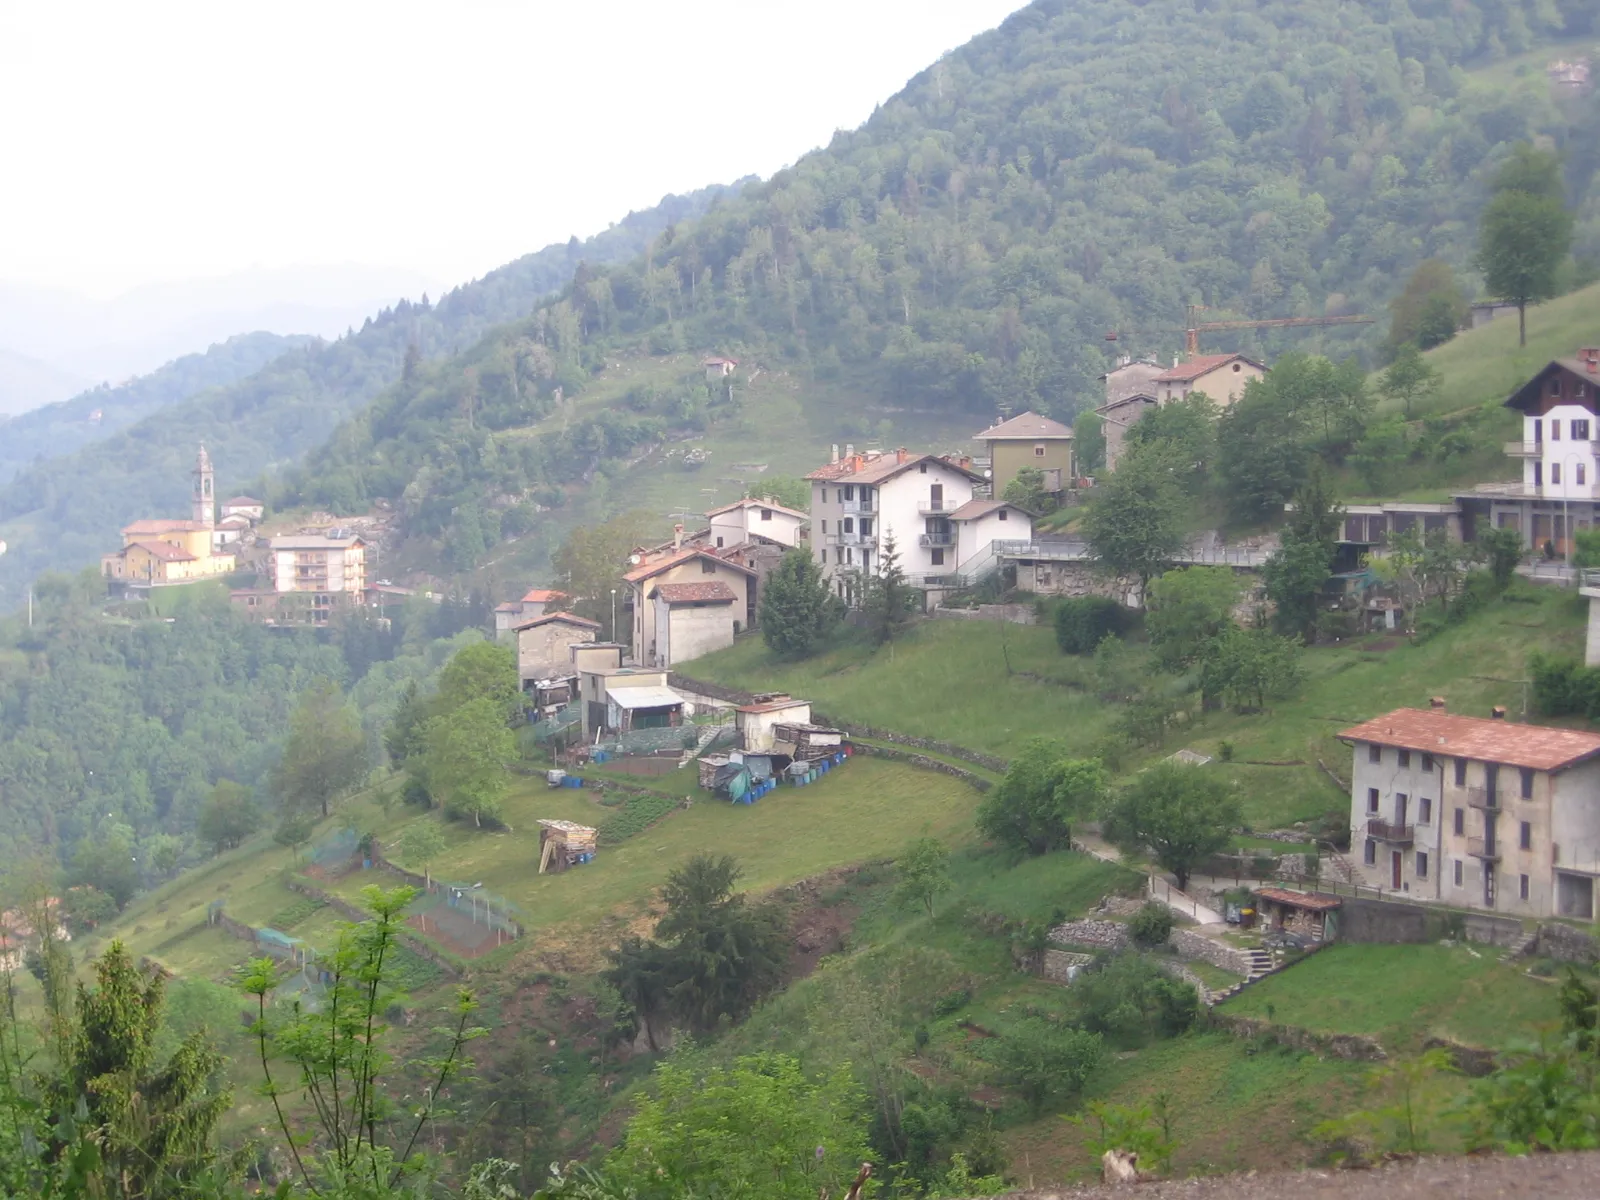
[(466, 918)]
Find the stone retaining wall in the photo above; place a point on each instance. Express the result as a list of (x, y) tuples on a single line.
[(926, 763), (1185, 974), (1017, 614), (1348, 1046), (1566, 944), (1059, 966), (1190, 944), (1102, 935)]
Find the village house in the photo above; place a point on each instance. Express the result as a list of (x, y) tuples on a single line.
[(159, 552), (1120, 415), (1477, 812), (687, 604), (744, 520), (310, 577), (1131, 377), (248, 507), (544, 644), (717, 367), (534, 603), (1222, 377), (1028, 440), (860, 500), (1557, 492)]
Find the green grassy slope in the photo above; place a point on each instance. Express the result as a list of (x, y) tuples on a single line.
[(948, 680)]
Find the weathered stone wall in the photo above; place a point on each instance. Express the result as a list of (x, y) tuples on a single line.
[(1017, 614), (1190, 944), (926, 763), (1185, 974), (1566, 944), (1351, 1047), (1058, 966), (1101, 935), (1396, 922)]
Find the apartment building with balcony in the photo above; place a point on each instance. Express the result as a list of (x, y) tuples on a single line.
[(1559, 490), (1478, 813), (933, 506), (318, 562)]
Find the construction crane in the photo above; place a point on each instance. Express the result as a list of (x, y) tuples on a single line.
[(1193, 328)]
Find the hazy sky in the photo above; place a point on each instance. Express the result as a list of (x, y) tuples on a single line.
[(161, 140)]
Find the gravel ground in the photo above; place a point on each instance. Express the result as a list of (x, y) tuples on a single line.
[(1546, 1177)]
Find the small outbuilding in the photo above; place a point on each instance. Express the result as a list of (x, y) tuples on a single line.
[(564, 844), (757, 721), (1308, 914), (803, 740)]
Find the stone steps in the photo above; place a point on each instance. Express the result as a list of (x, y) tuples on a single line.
[(1524, 945)]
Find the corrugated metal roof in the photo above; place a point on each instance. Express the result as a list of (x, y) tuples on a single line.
[(643, 697)]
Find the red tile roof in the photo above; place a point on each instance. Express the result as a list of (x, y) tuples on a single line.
[(543, 596), (882, 467), (1537, 747), (753, 502), (695, 593), (688, 554), (1298, 899), (564, 618), (1201, 364), (1025, 427), (508, 606)]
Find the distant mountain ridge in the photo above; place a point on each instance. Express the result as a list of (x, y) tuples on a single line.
[(65, 512), (98, 413), (27, 382)]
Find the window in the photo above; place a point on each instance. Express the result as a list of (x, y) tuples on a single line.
[(1375, 754), (824, 499), (1372, 800), (849, 524), (1458, 872), (1555, 428), (1369, 852), (1422, 865), (1038, 451), (824, 525), (1525, 837), (824, 558), (1461, 821), (1579, 476), (923, 469), (1580, 431), (849, 493), (1555, 473), (1427, 763), (1424, 810), (1405, 760), (719, 543), (1527, 784), (766, 514), (707, 567), (866, 525), (1522, 886), (938, 558), (848, 558), (1002, 514), (1461, 772)]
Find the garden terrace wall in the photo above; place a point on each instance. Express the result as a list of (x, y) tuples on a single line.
[(1397, 922), (922, 760), (1351, 1047), (1190, 944), (1101, 935), (1566, 944)]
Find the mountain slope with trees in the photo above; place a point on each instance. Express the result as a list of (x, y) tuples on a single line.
[(1091, 165), (65, 511), (60, 428)]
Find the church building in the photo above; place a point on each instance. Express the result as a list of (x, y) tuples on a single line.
[(159, 551)]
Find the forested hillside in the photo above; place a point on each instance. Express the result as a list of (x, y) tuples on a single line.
[(60, 428), (1091, 165), (65, 512)]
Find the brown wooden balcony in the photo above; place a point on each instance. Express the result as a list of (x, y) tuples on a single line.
[(1390, 831), (1481, 848)]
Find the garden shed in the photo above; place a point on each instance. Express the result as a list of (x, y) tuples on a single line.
[(1307, 914), (801, 739), (564, 844)]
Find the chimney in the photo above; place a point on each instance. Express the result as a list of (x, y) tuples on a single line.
[(1436, 703), (849, 450), (900, 456), (1175, 361), (1497, 713), (1591, 358), (834, 458), (677, 537)]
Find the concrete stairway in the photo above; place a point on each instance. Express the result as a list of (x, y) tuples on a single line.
[(1261, 963), (1521, 947)]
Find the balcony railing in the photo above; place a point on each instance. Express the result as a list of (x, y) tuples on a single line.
[(1524, 449), (1483, 798), (1389, 831), (935, 507), (865, 507), (855, 538), (927, 540), (1482, 848)]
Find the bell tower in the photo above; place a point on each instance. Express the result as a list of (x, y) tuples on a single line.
[(205, 496)]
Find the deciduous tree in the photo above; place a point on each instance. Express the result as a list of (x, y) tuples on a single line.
[(922, 871), (1188, 608), (1409, 378), (324, 755), (469, 751), (1043, 792), (228, 816), (1181, 814), (1136, 525)]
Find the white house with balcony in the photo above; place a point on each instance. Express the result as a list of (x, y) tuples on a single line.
[(1558, 492), (934, 508)]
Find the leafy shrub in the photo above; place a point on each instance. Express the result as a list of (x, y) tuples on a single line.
[(292, 914), (1131, 1000), (1082, 621), (1151, 925), (1044, 1060), (1564, 687)]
